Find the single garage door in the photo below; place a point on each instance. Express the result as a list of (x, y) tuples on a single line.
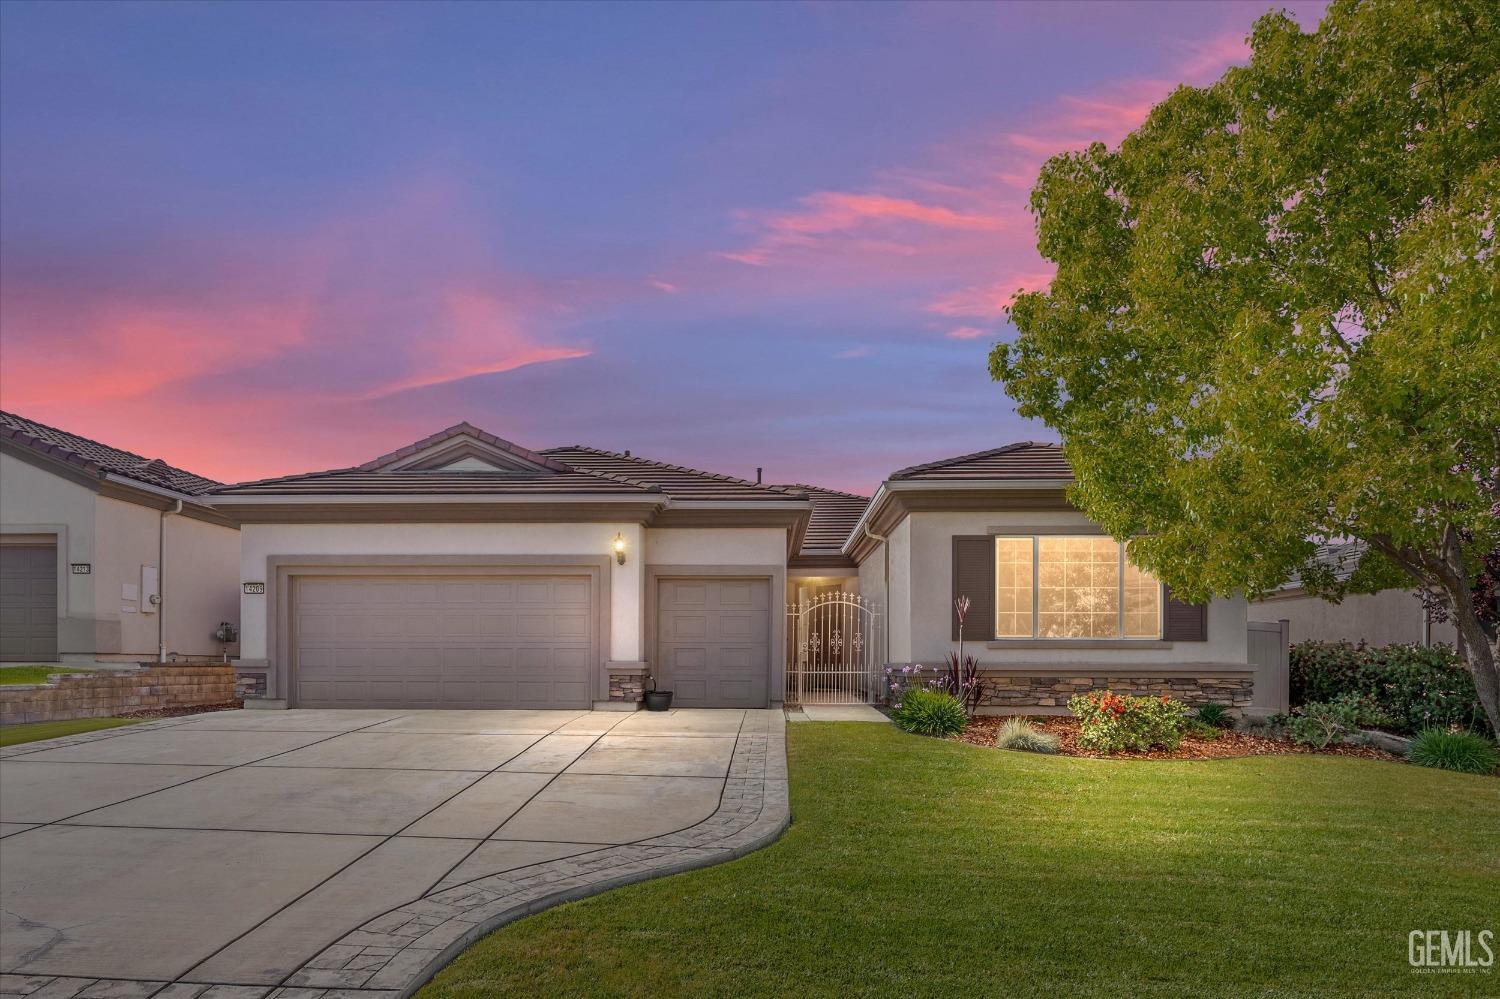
[(713, 641), (28, 603), (441, 642)]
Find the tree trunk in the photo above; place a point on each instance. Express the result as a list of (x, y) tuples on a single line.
[(1482, 655), (1444, 570)]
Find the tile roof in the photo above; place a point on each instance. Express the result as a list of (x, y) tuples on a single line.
[(676, 480), (572, 470), (834, 515), (100, 458), (1022, 460), (358, 482)]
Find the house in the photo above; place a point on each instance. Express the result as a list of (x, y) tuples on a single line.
[(108, 555), (1390, 617), (1055, 605), (466, 571)]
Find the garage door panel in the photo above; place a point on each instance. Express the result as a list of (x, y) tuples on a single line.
[(713, 641), (461, 643), (28, 603)]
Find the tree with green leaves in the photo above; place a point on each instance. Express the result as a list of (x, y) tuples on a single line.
[(1274, 319)]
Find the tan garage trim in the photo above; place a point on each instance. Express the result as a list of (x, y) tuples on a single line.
[(283, 570), (774, 574)]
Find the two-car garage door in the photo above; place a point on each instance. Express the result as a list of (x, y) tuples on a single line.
[(525, 641), (444, 642)]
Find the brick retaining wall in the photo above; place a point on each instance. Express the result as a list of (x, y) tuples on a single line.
[(98, 695)]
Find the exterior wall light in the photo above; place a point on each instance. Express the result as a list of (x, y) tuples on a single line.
[(619, 547)]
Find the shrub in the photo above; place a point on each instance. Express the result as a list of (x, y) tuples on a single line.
[(1018, 733), (1454, 749), (1215, 715), (1201, 730), (930, 712), (1418, 687), (1109, 722), (902, 680), (1323, 722)]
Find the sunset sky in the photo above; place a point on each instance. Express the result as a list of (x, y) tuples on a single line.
[(263, 239)]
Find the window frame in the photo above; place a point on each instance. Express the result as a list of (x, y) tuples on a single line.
[(1035, 636)]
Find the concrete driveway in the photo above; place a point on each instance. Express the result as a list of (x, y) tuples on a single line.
[(233, 847)]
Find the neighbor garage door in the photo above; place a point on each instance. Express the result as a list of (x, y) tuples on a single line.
[(431, 642), (28, 603), (713, 641)]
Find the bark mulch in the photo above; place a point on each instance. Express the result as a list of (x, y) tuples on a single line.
[(190, 709), (1230, 743)]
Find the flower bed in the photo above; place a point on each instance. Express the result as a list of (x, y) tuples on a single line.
[(1230, 743)]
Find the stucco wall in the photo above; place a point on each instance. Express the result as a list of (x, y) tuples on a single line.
[(33, 501), (259, 542), (930, 594), (716, 546), (900, 601), (125, 540), (201, 586), (1385, 618)]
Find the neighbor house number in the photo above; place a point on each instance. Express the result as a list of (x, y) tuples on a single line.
[(81, 568), (255, 587)]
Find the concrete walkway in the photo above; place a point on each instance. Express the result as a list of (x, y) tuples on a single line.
[(294, 854)]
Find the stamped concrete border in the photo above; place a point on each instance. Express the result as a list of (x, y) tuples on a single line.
[(396, 953)]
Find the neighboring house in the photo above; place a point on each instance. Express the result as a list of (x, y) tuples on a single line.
[(107, 555), (1390, 617), (1055, 606), (465, 571)]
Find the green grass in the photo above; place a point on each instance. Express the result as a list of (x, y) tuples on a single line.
[(14, 735), (922, 867), (32, 674)]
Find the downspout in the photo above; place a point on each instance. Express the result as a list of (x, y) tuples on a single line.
[(885, 554), (161, 581)]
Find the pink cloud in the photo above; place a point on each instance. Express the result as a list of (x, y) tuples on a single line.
[(964, 333), (960, 216), (989, 301), (1207, 59), (838, 213), (304, 328), (852, 353), (482, 336)]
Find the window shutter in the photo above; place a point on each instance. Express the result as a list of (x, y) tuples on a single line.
[(974, 577), (1182, 621)]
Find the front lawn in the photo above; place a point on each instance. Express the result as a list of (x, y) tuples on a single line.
[(32, 674), (920, 867), (14, 735)]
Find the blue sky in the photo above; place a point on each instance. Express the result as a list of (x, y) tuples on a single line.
[(257, 239)]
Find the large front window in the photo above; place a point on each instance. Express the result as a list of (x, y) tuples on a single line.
[(1072, 586)]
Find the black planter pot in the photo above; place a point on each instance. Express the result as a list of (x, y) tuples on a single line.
[(658, 700)]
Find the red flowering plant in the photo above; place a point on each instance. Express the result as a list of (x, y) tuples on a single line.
[(1110, 722), (962, 679)]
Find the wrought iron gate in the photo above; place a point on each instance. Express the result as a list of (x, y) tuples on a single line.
[(836, 650)]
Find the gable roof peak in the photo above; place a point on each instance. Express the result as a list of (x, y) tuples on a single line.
[(463, 429)]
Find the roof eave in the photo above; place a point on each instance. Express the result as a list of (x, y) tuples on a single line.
[(891, 487)]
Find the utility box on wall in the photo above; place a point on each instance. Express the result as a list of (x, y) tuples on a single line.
[(150, 589)]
